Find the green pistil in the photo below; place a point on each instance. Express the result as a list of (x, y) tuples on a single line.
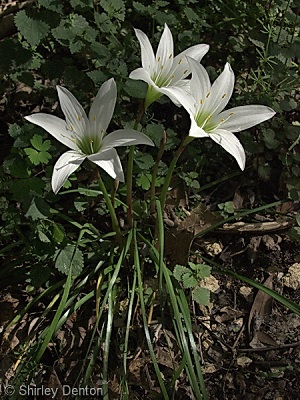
[(89, 146)]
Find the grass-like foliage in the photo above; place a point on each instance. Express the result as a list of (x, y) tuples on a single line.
[(84, 229)]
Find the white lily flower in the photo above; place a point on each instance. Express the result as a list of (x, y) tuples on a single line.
[(205, 104), (164, 71), (86, 136)]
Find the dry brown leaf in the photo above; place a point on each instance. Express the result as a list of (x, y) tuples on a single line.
[(55, 384), (180, 238), (265, 338), (238, 200), (292, 278), (253, 246), (286, 208), (166, 357), (272, 241), (243, 361), (262, 304)]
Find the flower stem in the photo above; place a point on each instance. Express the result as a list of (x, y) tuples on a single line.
[(155, 169), (114, 219), (130, 170), (166, 185), (129, 186)]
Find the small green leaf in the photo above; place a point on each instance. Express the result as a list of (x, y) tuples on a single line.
[(58, 232), (72, 32), (38, 144), (144, 161), (192, 16), (179, 271), (269, 138), (17, 167), (144, 181), (114, 8), (82, 4), (188, 280), (154, 131), (203, 271), (137, 89), (104, 23), (98, 77), (14, 130), (38, 209), (201, 296), (22, 189), (81, 205), (33, 30), (37, 157), (143, 9), (53, 5), (101, 52), (69, 257), (43, 237)]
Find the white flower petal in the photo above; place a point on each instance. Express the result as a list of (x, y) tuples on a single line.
[(110, 162), (142, 75), (103, 106), (231, 144), (55, 126), (125, 137), (244, 117), (181, 67), (195, 130), (147, 54), (197, 52), (64, 167), (75, 115), (165, 52), (200, 86), (221, 92), (180, 96)]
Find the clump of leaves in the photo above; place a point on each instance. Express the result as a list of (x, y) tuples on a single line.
[(191, 278), (226, 208)]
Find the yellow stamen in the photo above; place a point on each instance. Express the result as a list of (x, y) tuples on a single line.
[(179, 62), (201, 101), (158, 59), (72, 127), (79, 118), (94, 118), (224, 95), (185, 71), (208, 94), (170, 56), (161, 67)]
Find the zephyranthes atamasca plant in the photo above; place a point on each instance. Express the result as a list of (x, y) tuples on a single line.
[(87, 138)]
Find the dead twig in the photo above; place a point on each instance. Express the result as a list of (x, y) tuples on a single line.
[(269, 348)]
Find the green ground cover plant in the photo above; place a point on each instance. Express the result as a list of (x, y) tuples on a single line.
[(84, 231)]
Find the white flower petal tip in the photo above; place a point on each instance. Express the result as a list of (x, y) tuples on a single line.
[(86, 136), (126, 137), (205, 104), (163, 70), (64, 167)]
